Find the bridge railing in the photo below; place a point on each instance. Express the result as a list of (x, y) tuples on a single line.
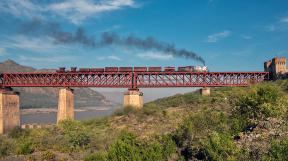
[(132, 79), (198, 79)]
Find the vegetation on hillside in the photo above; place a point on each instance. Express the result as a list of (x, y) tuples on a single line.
[(232, 124)]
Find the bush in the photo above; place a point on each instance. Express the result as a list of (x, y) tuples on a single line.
[(125, 111), (4, 147), (278, 151), (16, 132), (152, 109), (126, 147), (48, 156), (261, 101), (220, 147), (75, 132), (198, 125), (239, 124), (152, 152), (99, 156), (173, 101), (78, 139), (25, 147)]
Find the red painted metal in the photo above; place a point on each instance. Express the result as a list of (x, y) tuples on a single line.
[(131, 79)]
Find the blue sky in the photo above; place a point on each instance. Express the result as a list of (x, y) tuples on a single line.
[(230, 35)]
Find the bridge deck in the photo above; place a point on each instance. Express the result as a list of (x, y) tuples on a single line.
[(131, 79)]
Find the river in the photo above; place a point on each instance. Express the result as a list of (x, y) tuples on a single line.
[(50, 117)]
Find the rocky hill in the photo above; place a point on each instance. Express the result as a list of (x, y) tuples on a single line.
[(47, 97)]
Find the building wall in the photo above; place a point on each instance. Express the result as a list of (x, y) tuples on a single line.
[(277, 67)]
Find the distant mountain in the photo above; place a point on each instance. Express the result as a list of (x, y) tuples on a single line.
[(37, 97)]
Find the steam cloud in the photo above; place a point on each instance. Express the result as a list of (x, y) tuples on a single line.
[(39, 27)]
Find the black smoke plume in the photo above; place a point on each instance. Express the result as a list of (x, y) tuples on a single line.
[(39, 27)]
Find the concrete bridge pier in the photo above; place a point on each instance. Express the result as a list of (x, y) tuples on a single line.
[(133, 98), (9, 110), (65, 105), (205, 91)]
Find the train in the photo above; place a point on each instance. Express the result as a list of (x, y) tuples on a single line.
[(136, 69)]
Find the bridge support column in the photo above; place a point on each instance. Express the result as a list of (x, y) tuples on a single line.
[(133, 98), (205, 91), (9, 110), (65, 104)]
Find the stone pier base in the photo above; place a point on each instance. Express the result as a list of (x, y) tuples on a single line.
[(65, 104), (133, 98), (9, 110), (205, 91)]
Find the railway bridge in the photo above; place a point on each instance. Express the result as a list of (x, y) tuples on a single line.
[(112, 77)]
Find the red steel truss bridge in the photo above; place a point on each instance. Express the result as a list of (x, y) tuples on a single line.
[(131, 79)]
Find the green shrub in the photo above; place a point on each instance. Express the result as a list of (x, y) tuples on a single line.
[(16, 132), (168, 144), (75, 132), (25, 147), (199, 125), (99, 156), (151, 109), (239, 124), (152, 152), (220, 147), (173, 101), (261, 101), (125, 111), (126, 147), (67, 126), (48, 156), (278, 151), (4, 147), (78, 139)]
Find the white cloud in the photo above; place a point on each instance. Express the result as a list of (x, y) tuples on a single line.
[(270, 28), (217, 36), (247, 37), (284, 19), (39, 44), (21, 8), (110, 57), (76, 10), (2, 51), (155, 56), (73, 10), (50, 59)]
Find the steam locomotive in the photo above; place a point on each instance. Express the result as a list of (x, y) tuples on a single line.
[(136, 69)]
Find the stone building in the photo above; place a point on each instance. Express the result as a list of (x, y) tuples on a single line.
[(276, 67)]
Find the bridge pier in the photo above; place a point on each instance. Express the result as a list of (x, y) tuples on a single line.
[(9, 110), (65, 104), (205, 91), (133, 98)]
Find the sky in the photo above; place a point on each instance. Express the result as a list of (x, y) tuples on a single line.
[(230, 35)]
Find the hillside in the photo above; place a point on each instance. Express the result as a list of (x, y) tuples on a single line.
[(232, 124), (48, 97)]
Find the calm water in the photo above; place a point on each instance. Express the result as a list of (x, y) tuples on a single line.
[(49, 118)]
